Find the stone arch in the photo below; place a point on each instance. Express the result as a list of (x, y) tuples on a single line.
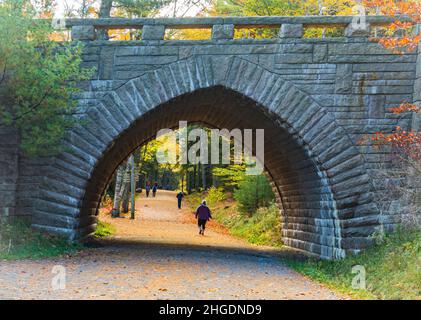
[(328, 215)]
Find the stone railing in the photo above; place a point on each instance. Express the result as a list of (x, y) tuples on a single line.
[(223, 27)]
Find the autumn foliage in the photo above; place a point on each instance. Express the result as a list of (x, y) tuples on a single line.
[(399, 35), (406, 143)]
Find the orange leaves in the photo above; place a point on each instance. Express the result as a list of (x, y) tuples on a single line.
[(46, 15), (400, 25), (58, 37), (399, 37), (405, 142), (400, 138), (410, 8), (400, 45), (405, 107)]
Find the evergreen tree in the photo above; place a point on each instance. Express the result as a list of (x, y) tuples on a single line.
[(37, 77)]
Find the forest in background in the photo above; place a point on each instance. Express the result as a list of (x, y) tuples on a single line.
[(251, 191)]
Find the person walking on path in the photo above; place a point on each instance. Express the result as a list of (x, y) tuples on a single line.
[(180, 197), (154, 189), (148, 189), (203, 215)]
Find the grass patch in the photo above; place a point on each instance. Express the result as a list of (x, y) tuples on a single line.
[(104, 229), (393, 269), (19, 241), (261, 228)]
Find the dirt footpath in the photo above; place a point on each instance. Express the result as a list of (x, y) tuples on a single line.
[(160, 255)]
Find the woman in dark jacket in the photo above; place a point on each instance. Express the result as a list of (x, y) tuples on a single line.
[(203, 215)]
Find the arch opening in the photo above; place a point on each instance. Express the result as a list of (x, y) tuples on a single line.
[(308, 210)]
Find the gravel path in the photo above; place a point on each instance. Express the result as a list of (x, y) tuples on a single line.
[(160, 255)]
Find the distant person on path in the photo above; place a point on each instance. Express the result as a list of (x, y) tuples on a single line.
[(180, 197), (203, 215), (154, 189), (148, 189)]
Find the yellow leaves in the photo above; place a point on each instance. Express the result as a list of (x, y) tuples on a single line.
[(58, 36), (120, 34), (92, 11), (191, 34)]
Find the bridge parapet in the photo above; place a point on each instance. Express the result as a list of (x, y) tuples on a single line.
[(223, 27)]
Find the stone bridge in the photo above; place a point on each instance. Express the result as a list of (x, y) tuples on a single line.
[(315, 98)]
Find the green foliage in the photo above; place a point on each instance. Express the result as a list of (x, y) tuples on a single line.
[(19, 241), (140, 8), (230, 176), (194, 199), (393, 269), (215, 195), (263, 228), (104, 229), (166, 174), (256, 7), (253, 192), (284, 8), (37, 78)]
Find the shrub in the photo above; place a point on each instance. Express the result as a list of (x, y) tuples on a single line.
[(230, 177), (263, 228), (215, 195), (104, 229), (253, 192)]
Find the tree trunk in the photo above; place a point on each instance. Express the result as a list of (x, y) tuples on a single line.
[(189, 184), (199, 170), (104, 12), (125, 204), (182, 182), (125, 188), (133, 186), (213, 180), (204, 183), (118, 185), (194, 178)]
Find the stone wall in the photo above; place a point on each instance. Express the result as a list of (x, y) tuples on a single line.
[(416, 121), (9, 171), (355, 80), (416, 117)]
